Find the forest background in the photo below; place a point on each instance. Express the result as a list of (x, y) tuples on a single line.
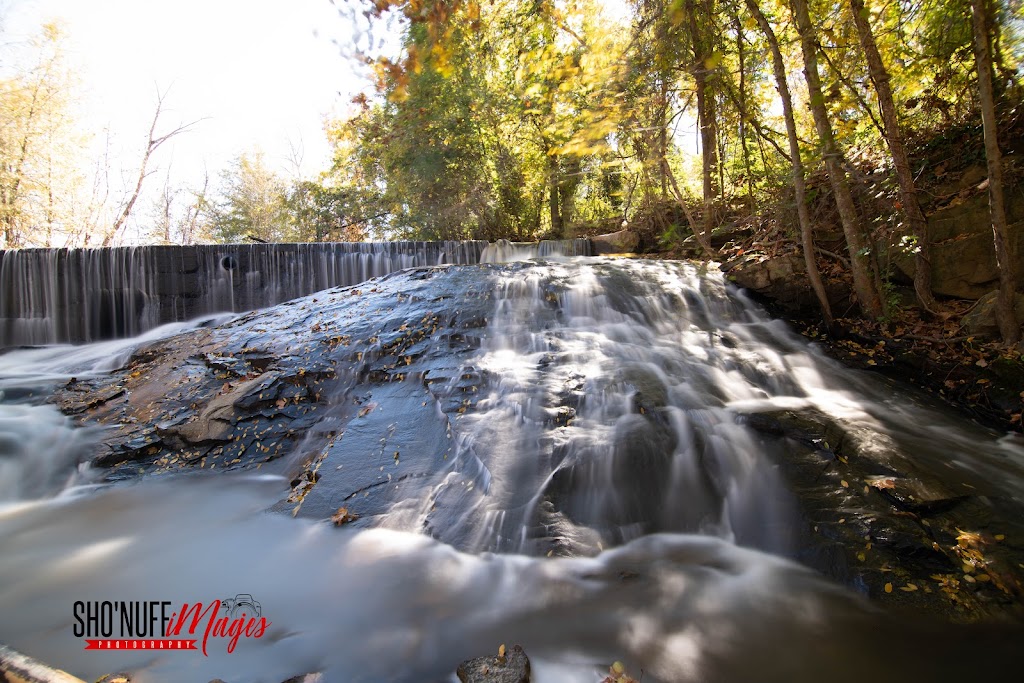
[(527, 119)]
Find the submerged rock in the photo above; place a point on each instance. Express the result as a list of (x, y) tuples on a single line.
[(876, 519)]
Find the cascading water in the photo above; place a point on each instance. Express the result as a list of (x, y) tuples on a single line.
[(504, 251), (559, 408), (605, 381)]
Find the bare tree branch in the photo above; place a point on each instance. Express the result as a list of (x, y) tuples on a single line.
[(154, 142)]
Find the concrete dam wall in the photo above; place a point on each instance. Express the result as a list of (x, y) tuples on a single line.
[(52, 296)]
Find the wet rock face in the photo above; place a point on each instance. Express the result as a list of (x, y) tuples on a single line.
[(876, 520), (281, 382), (373, 399)]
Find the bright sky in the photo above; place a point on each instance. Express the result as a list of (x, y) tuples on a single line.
[(260, 72), (253, 73)]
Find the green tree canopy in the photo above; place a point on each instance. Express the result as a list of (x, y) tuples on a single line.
[(253, 203)]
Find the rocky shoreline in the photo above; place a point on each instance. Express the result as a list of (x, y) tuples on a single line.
[(953, 356)]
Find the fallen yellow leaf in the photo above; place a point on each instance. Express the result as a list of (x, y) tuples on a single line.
[(888, 588), (343, 516)]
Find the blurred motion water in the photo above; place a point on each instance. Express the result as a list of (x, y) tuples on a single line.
[(608, 418), (389, 606)]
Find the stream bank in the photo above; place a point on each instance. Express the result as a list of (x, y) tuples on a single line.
[(953, 355)]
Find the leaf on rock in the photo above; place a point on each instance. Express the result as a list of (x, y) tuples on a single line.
[(969, 539), (343, 516)]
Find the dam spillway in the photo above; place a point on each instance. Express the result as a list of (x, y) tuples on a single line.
[(50, 296)]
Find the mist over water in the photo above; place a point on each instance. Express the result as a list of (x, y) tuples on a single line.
[(611, 403)]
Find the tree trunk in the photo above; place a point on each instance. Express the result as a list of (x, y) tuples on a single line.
[(894, 138), (663, 130), (705, 111), (860, 265), (702, 239), (799, 186), (12, 194), (10, 234), (743, 113), (555, 205), (1009, 326)]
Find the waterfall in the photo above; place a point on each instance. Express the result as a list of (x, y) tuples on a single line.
[(504, 251), (597, 459), (50, 296)]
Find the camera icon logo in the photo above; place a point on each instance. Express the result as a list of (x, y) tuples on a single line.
[(242, 604)]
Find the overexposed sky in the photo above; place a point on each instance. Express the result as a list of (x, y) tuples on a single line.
[(258, 72)]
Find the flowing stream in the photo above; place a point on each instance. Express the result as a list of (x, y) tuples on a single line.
[(583, 479)]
